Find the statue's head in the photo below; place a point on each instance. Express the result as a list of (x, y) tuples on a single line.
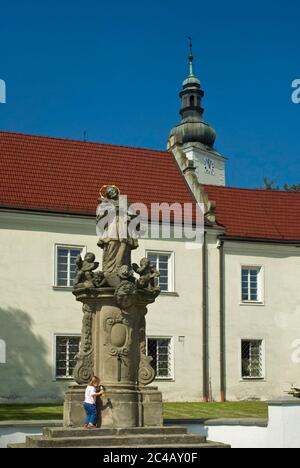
[(145, 262), (125, 272), (90, 257), (112, 192)]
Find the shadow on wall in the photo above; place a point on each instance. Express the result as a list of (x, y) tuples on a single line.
[(26, 375)]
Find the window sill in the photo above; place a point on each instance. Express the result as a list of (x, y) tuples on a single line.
[(169, 293), (164, 380), (252, 303), (63, 379), (70, 288), (254, 379)]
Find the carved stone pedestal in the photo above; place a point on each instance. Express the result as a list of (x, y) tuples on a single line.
[(113, 347), (120, 408)]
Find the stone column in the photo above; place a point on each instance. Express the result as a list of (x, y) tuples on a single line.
[(113, 348)]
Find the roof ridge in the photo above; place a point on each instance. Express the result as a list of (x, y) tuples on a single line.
[(44, 137)]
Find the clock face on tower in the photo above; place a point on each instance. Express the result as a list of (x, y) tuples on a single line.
[(209, 166)]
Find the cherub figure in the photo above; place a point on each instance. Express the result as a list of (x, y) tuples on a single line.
[(148, 275), (85, 269)]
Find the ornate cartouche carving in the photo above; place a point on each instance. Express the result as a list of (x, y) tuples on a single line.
[(118, 340)]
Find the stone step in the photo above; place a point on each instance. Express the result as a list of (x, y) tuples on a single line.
[(204, 445), (138, 440), (61, 432), (16, 446), (207, 445)]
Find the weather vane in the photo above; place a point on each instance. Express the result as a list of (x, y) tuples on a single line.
[(191, 57), (191, 45)]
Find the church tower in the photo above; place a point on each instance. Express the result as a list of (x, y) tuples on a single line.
[(193, 139)]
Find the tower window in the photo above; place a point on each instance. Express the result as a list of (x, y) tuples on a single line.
[(192, 101)]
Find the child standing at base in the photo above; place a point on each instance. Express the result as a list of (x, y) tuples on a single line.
[(89, 404)]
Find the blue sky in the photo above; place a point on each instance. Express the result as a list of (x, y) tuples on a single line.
[(115, 69)]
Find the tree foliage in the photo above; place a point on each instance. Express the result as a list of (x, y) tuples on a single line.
[(270, 184)]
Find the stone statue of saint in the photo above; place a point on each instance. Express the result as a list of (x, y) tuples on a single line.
[(116, 240)]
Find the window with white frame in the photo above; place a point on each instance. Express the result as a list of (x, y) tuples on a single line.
[(66, 349), (66, 265), (251, 284), (160, 349), (252, 359), (163, 261)]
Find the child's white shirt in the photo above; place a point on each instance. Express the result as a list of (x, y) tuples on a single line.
[(88, 395)]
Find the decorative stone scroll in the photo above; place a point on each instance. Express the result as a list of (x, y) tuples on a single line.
[(84, 369), (146, 373)]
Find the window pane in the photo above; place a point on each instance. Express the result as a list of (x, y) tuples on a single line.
[(67, 347), (62, 252), (152, 258), (160, 351), (75, 252), (62, 282), (252, 365), (66, 265), (161, 261), (250, 287)]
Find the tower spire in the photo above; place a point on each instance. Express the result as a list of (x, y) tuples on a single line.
[(192, 128), (191, 57)]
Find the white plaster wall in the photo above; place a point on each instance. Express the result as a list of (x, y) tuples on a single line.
[(12, 435), (236, 436), (283, 431), (31, 311), (276, 321)]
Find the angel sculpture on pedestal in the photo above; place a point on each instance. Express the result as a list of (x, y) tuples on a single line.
[(85, 271), (148, 275)]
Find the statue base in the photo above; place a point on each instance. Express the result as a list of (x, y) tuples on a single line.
[(121, 407)]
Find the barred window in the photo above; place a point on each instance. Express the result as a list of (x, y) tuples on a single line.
[(66, 349), (252, 359), (160, 349), (66, 265), (162, 262), (251, 284)]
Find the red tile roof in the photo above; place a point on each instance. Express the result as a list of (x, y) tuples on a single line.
[(261, 214), (61, 175)]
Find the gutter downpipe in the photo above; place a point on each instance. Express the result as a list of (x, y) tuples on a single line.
[(222, 323), (204, 320)]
